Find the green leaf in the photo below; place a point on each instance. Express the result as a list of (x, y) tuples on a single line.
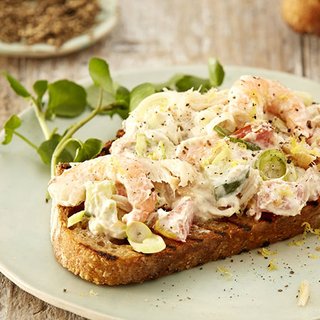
[(100, 74), (17, 87), (75, 150), (139, 93), (66, 99), (47, 148), (70, 149), (40, 87), (88, 150), (110, 105), (121, 105), (10, 126), (93, 95), (216, 72), (123, 96), (188, 82)]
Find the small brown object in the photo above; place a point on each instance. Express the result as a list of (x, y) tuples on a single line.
[(302, 15)]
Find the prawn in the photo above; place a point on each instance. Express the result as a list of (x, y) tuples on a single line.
[(251, 97), (139, 189)]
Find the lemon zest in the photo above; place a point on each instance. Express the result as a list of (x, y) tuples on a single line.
[(302, 147), (224, 271), (308, 229), (283, 97), (92, 293), (272, 266), (266, 252), (297, 243)]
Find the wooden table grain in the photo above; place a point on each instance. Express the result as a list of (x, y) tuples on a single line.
[(153, 33)]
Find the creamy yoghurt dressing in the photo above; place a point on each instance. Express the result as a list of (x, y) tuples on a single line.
[(171, 166)]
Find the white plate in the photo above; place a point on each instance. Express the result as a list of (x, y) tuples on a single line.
[(106, 20), (201, 293)]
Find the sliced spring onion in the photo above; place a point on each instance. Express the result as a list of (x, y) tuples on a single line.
[(138, 231), (142, 239), (152, 244), (222, 132), (272, 164), (75, 218)]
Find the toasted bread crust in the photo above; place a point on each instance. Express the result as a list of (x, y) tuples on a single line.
[(115, 264)]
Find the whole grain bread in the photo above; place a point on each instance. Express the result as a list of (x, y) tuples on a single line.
[(102, 262), (98, 260)]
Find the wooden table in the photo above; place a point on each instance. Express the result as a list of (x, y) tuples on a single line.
[(153, 33)]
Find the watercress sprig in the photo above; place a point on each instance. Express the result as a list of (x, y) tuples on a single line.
[(99, 73), (65, 98)]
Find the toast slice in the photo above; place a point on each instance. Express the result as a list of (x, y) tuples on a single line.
[(100, 261)]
